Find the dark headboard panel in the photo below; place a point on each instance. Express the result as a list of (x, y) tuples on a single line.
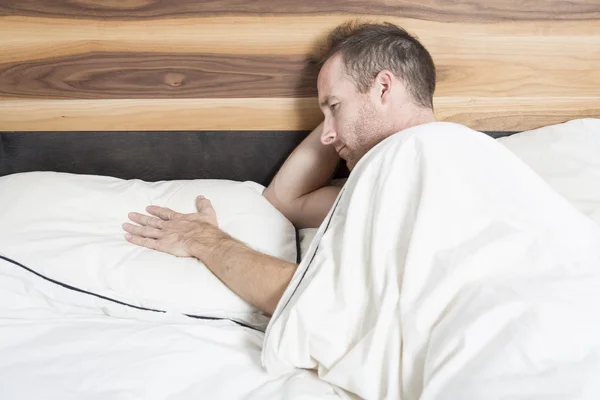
[(154, 156), (150, 156)]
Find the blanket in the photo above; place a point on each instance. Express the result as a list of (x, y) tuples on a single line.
[(61, 342), (447, 269)]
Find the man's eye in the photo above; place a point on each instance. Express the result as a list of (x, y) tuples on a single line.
[(334, 107)]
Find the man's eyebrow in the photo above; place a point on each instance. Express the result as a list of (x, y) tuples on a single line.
[(329, 98)]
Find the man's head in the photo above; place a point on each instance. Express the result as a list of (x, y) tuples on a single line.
[(375, 80)]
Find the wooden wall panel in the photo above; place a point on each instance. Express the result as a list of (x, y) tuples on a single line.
[(482, 113), (111, 75), (110, 65), (438, 10)]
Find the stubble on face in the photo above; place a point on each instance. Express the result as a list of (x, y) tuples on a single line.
[(363, 133)]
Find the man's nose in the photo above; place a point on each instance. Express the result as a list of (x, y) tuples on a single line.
[(328, 136)]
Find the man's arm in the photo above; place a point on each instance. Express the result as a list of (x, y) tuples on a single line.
[(299, 189), (258, 278)]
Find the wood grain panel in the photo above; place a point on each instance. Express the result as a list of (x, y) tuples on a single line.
[(24, 38), (514, 114), (161, 114), (441, 10), (192, 65), (489, 114), (536, 59), (156, 75), (159, 75)]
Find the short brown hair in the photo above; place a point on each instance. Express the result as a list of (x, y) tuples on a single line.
[(368, 48)]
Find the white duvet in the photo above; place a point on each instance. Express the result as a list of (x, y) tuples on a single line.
[(447, 269), (59, 343)]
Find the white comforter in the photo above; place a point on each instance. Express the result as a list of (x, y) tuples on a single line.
[(446, 270), (59, 343)]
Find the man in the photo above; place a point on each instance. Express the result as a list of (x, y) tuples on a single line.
[(376, 80)]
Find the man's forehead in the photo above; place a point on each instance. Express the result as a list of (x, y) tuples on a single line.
[(331, 68), (330, 74)]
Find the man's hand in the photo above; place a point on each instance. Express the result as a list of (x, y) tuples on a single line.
[(174, 233), (258, 278)]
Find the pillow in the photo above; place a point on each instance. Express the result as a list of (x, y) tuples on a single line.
[(67, 227), (567, 157), (306, 236)]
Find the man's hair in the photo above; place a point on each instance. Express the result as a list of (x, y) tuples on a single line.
[(369, 48)]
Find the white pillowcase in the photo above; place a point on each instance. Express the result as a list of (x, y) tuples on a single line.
[(567, 157), (306, 236), (68, 228)]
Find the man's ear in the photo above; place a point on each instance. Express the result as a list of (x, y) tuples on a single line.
[(383, 85)]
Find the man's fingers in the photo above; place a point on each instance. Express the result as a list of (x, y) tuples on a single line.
[(163, 212), (144, 231), (141, 241), (158, 245), (146, 220)]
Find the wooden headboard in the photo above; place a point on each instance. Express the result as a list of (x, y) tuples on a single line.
[(119, 65)]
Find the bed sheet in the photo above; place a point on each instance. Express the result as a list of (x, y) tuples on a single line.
[(60, 343)]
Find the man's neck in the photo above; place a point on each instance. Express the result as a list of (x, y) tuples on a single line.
[(416, 117)]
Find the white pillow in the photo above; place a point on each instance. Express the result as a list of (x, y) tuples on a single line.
[(306, 236), (68, 228), (567, 157)]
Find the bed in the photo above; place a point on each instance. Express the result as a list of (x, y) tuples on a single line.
[(155, 103)]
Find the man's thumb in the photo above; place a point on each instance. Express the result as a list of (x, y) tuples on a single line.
[(202, 202)]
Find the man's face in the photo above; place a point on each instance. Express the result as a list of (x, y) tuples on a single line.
[(353, 123)]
